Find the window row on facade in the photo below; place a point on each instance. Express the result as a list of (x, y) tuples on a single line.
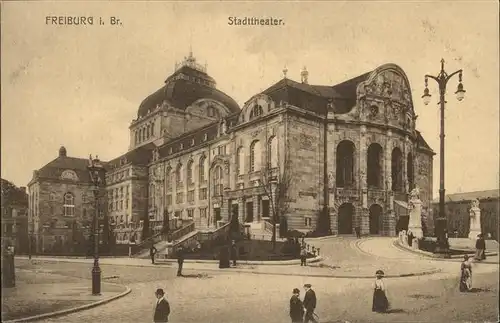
[(145, 132)]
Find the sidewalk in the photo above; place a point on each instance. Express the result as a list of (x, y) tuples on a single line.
[(39, 295)]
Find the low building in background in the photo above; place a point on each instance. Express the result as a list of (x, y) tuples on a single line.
[(457, 208)]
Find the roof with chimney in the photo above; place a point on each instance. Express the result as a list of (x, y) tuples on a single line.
[(55, 168)]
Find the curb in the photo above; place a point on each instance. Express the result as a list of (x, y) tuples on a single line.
[(430, 255), (74, 309), (187, 261), (423, 273), (247, 262)]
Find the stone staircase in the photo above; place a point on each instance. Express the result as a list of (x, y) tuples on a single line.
[(186, 232), (264, 231)]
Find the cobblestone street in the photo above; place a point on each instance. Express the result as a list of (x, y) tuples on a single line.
[(231, 296)]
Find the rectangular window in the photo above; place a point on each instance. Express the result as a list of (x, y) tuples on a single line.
[(203, 194), (190, 213), (169, 200), (116, 205), (190, 196), (203, 212), (307, 221), (121, 205), (221, 150), (121, 192), (179, 198)]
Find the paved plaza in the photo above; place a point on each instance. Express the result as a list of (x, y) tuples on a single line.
[(261, 293)]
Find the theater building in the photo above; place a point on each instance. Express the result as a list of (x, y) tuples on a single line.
[(349, 153)]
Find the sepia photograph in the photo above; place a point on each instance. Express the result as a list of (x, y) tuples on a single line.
[(250, 161)]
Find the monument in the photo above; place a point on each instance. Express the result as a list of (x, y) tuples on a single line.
[(475, 219), (415, 221)]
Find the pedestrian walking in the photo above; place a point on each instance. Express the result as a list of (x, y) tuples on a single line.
[(303, 256), (465, 284), (309, 304), (234, 252), (480, 248), (152, 253), (180, 260), (380, 303), (162, 307), (296, 307), (358, 231)]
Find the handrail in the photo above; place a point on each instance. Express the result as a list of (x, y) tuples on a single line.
[(268, 226), (182, 231)]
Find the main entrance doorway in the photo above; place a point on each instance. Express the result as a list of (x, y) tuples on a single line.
[(375, 219), (346, 213), (249, 213)]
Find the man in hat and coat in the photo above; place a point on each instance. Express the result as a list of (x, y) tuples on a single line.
[(309, 304), (180, 260), (162, 308)]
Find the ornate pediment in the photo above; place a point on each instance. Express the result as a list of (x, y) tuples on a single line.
[(389, 83), (69, 175)]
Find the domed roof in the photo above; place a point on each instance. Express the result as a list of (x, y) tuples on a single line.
[(188, 84)]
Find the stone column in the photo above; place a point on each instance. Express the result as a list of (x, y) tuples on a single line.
[(362, 162), (405, 165), (475, 219), (415, 223), (241, 210), (391, 215), (388, 162)]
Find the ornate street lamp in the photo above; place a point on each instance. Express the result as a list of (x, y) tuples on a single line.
[(442, 80), (96, 171)]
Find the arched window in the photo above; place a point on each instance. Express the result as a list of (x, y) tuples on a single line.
[(190, 172), (69, 204), (272, 152), (409, 171), (202, 169), (255, 156), (256, 111), (178, 174), (397, 170), (147, 132), (153, 128), (345, 164), (374, 166), (218, 181), (240, 161)]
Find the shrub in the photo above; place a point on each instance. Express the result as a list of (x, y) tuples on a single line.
[(427, 244)]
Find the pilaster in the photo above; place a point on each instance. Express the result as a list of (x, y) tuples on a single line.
[(363, 220), (224, 210), (256, 208), (362, 158), (334, 221)]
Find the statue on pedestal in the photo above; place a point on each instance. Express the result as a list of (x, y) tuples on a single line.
[(475, 219), (415, 223)]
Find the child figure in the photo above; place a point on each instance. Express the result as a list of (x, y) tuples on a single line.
[(380, 302)]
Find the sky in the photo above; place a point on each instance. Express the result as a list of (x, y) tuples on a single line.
[(81, 86)]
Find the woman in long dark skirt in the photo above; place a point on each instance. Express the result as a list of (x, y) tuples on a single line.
[(465, 275), (380, 302)]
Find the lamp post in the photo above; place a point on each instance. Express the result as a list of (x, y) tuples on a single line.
[(96, 170), (442, 79)]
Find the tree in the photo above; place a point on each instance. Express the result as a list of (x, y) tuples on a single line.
[(276, 182)]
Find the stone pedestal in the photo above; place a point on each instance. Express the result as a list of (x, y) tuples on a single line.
[(415, 223), (475, 220)]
